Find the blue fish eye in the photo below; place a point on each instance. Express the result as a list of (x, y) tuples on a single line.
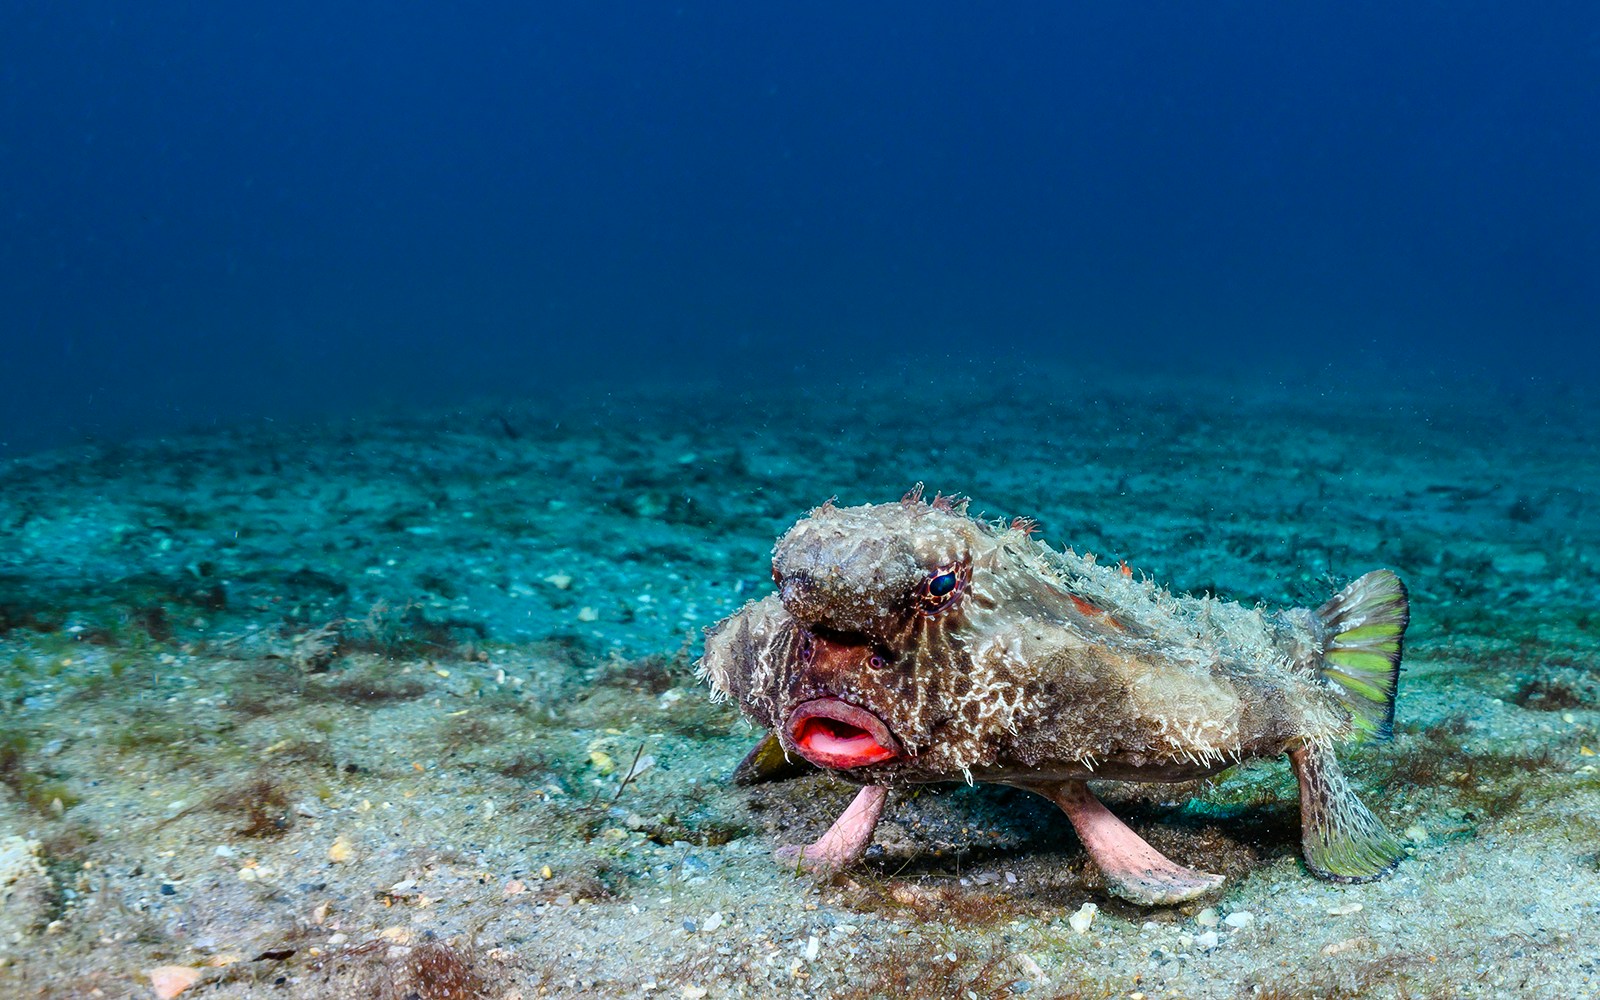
[(941, 590)]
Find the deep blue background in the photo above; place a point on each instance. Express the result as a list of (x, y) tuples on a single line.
[(218, 213)]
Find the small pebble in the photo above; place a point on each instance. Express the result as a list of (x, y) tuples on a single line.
[(1347, 944), (1206, 941), (1345, 909), (1239, 918), (1207, 917), (170, 980), (813, 948), (340, 851), (1080, 921), (712, 922)]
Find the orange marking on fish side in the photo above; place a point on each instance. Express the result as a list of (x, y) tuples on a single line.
[(1085, 606), (1089, 608)]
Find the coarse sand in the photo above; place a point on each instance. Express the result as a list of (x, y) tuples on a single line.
[(404, 705)]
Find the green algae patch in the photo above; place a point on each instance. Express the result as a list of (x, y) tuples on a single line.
[(42, 789)]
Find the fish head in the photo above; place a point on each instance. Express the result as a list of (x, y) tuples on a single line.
[(877, 655), (850, 705), (839, 701)]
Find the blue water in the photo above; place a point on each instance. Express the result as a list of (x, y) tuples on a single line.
[(218, 213)]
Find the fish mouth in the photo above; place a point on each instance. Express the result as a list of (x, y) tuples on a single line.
[(831, 732)]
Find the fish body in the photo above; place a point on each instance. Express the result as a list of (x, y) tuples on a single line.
[(907, 642)]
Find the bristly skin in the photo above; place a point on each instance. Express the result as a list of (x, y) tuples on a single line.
[(908, 643)]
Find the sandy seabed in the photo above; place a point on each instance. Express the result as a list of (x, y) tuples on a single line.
[(404, 706)]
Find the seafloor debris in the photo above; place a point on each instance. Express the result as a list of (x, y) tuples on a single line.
[(375, 631)]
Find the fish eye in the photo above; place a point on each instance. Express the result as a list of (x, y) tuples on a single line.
[(942, 587)]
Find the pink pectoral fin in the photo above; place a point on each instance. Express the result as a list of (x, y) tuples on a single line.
[(1134, 870), (847, 839)]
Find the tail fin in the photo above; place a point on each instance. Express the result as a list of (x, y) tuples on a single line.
[(1365, 624)]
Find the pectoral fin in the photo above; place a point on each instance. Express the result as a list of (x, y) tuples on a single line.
[(1341, 839), (1133, 869), (766, 761), (846, 840)]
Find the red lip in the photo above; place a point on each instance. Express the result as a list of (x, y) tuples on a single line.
[(831, 732)]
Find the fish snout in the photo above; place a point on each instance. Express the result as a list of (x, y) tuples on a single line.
[(797, 591), (834, 603), (809, 599)]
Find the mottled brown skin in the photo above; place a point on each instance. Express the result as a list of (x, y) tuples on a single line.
[(910, 643)]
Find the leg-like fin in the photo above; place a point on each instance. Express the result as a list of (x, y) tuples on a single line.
[(1341, 839), (1133, 869), (766, 761), (847, 839)]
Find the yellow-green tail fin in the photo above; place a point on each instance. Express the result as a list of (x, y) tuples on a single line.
[(1365, 625)]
